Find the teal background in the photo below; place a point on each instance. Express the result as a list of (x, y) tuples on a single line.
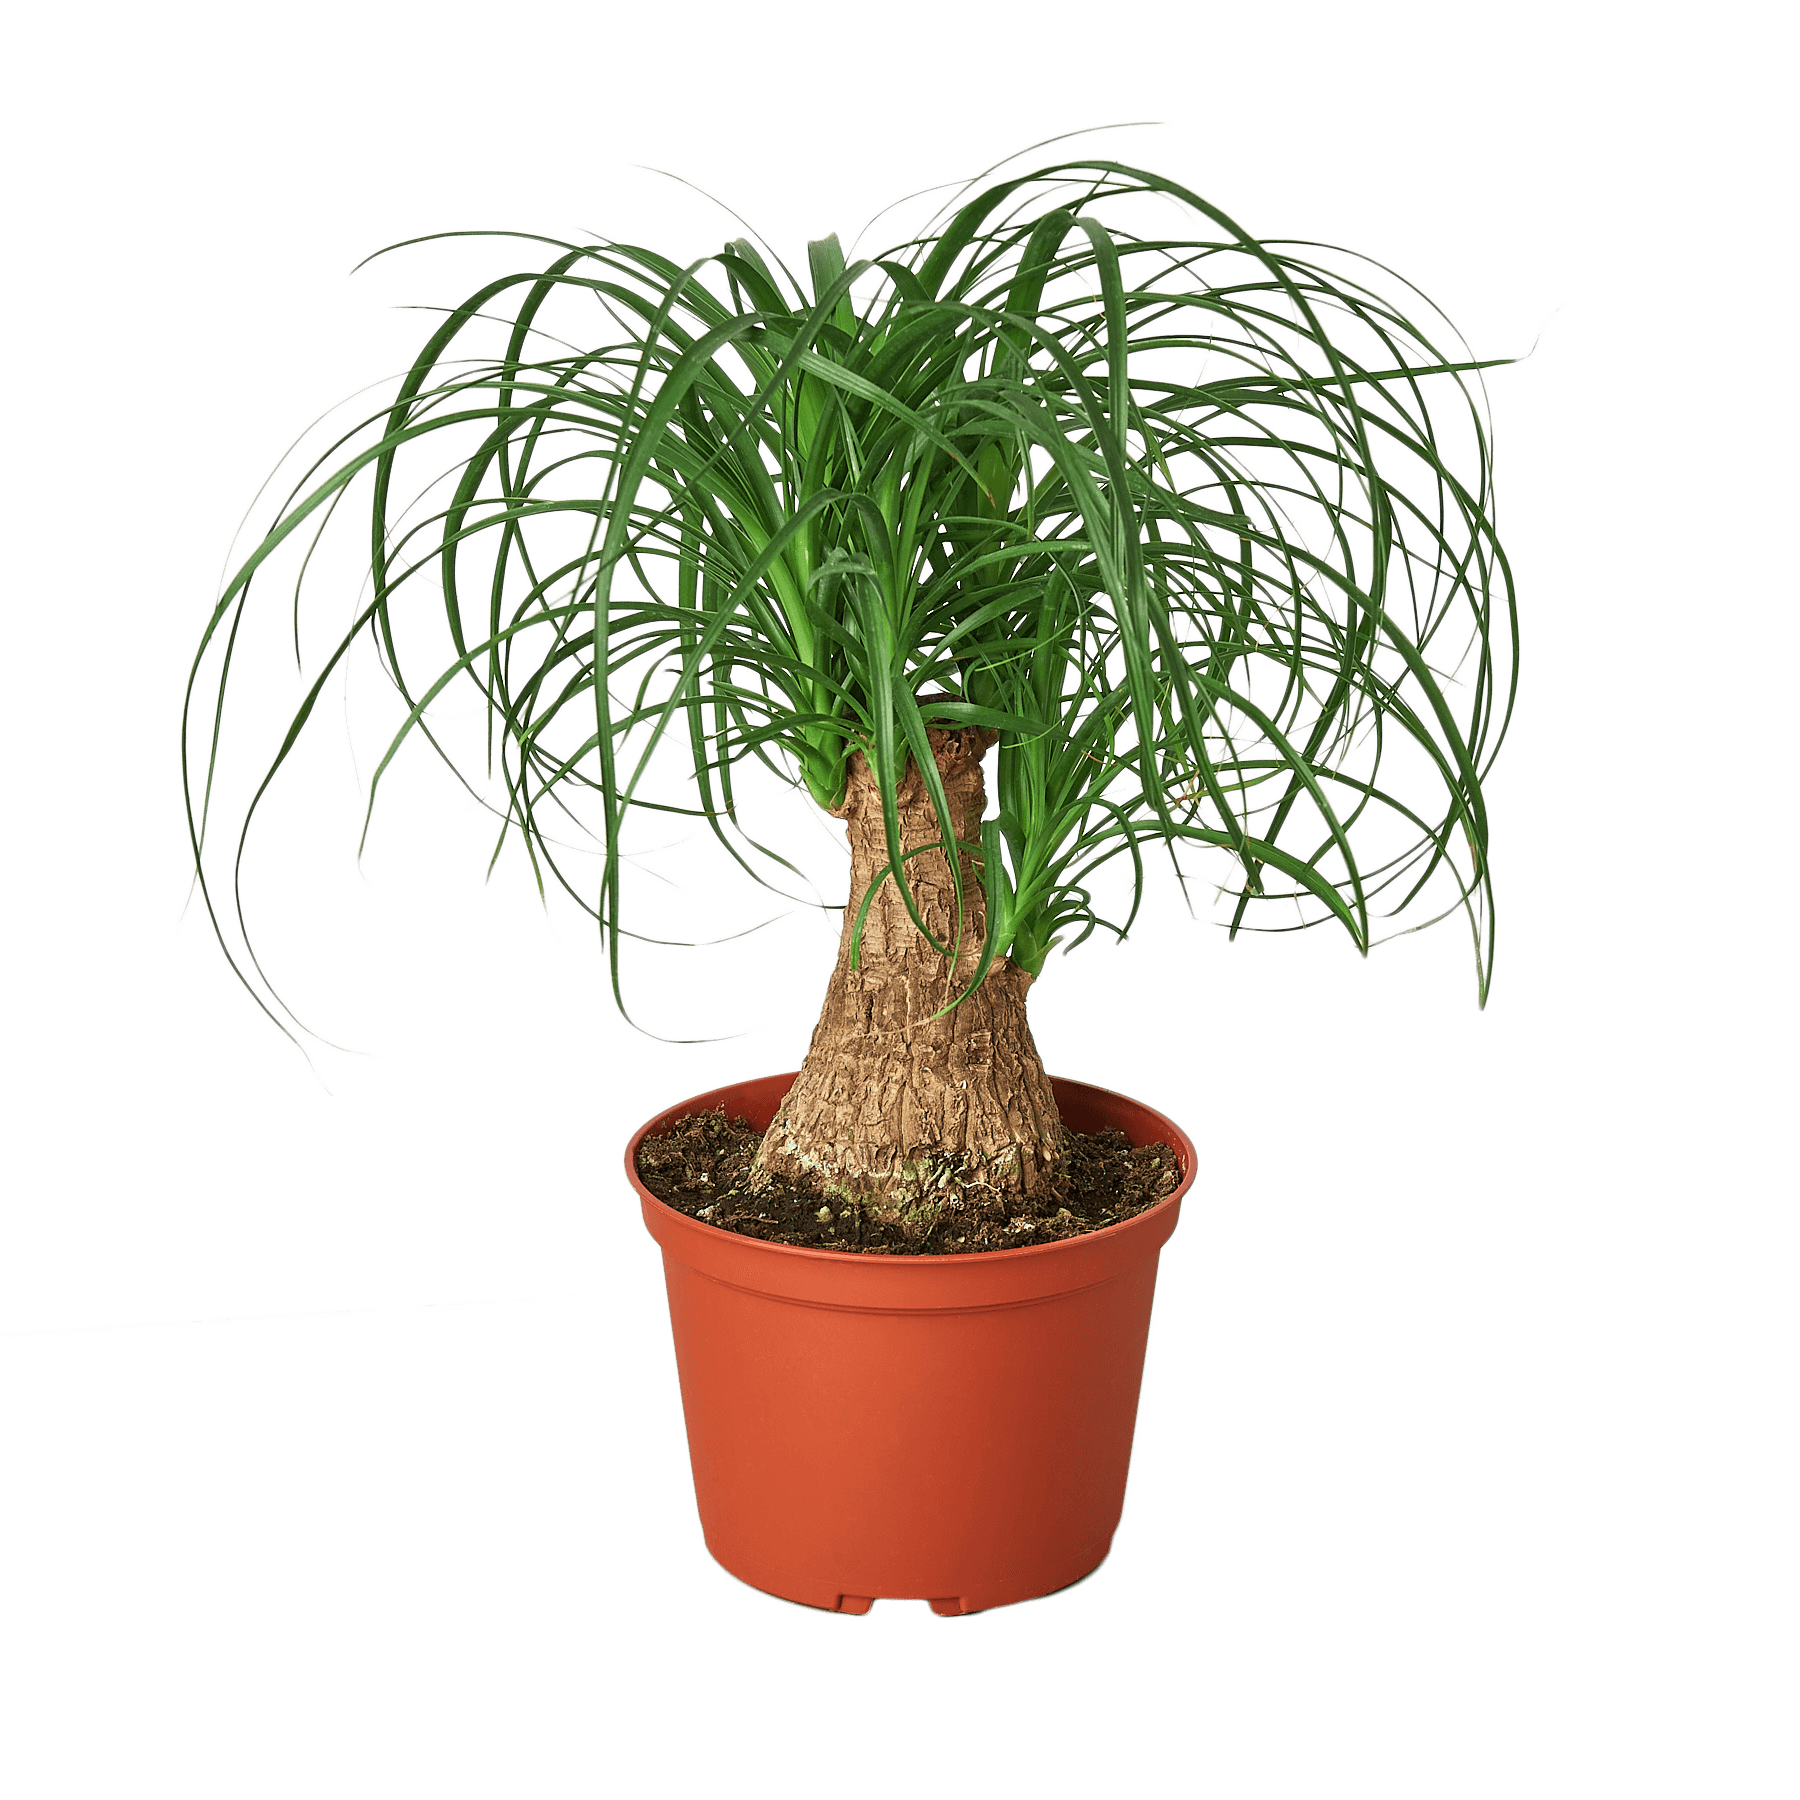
[(340, 1449)]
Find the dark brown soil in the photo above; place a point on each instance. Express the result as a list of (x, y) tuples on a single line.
[(700, 1164)]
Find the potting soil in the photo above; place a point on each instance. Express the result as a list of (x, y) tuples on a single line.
[(701, 1167)]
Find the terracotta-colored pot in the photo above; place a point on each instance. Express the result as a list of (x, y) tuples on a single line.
[(947, 1428)]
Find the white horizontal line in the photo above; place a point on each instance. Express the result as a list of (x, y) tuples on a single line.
[(191, 1325), (465, 1305)]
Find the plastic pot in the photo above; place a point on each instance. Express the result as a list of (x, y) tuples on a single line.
[(947, 1428)]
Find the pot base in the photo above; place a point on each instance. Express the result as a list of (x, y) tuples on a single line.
[(808, 1592), (944, 1606)]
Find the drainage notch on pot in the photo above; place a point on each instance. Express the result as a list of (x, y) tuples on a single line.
[(954, 1429)]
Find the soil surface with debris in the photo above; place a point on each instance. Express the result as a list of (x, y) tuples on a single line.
[(701, 1165)]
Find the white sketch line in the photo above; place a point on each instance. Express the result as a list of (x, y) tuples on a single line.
[(272, 1318), (468, 1305), (191, 1325)]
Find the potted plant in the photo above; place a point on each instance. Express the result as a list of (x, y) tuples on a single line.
[(1082, 488)]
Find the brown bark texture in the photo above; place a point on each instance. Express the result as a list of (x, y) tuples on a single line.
[(894, 1109)]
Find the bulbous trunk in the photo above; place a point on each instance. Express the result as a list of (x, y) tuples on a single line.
[(904, 1113)]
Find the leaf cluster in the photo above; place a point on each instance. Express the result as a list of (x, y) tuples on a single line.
[(1084, 466)]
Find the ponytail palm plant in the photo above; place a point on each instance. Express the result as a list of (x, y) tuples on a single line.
[(1193, 532)]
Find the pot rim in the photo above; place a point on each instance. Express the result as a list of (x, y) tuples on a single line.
[(1183, 1145)]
